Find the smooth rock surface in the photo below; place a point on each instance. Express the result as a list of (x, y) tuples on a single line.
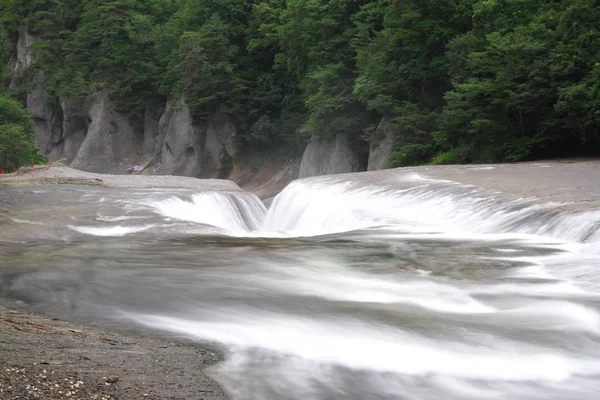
[(380, 151), (112, 143), (74, 129), (66, 175), (220, 141), (329, 156), (181, 148)]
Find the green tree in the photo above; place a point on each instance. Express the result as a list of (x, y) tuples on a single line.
[(315, 42), (16, 136), (454, 81), (524, 82), (403, 69), (275, 106), (208, 72)]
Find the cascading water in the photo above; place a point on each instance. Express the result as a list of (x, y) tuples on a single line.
[(327, 205), (231, 212), (401, 287)]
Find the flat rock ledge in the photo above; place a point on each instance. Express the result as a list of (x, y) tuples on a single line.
[(41, 175)]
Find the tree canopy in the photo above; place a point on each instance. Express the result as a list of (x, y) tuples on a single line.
[(456, 80)]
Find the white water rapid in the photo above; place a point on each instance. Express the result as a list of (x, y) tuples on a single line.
[(353, 288)]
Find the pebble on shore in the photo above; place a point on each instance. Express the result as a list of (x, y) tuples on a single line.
[(38, 382)]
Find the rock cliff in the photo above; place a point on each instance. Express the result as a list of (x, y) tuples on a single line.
[(381, 149), (330, 156), (112, 141), (96, 137)]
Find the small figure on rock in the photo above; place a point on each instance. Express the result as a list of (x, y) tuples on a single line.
[(136, 169)]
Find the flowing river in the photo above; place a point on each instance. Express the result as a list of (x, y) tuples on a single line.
[(398, 288)]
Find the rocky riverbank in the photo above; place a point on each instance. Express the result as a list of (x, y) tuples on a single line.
[(49, 358), (42, 357)]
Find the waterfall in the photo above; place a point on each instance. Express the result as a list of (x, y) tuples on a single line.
[(404, 203), (236, 213), (328, 205)]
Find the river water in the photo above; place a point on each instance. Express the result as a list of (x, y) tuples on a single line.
[(403, 288)]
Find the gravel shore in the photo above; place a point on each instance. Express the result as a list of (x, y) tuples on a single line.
[(44, 358)]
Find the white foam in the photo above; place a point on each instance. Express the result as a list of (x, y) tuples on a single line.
[(409, 204), (531, 272), (507, 250), (557, 289), (379, 348), (322, 206), (233, 213), (549, 315), (327, 280), (481, 168), (27, 222), (109, 230), (115, 219)]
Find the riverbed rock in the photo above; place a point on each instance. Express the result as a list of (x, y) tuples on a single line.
[(330, 156)]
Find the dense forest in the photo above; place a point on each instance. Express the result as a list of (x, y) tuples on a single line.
[(457, 81)]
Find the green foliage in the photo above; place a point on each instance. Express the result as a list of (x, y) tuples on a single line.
[(411, 154), (315, 38), (468, 80), (16, 136), (525, 81), (457, 155), (401, 51), (207, 71), (13, 113)]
